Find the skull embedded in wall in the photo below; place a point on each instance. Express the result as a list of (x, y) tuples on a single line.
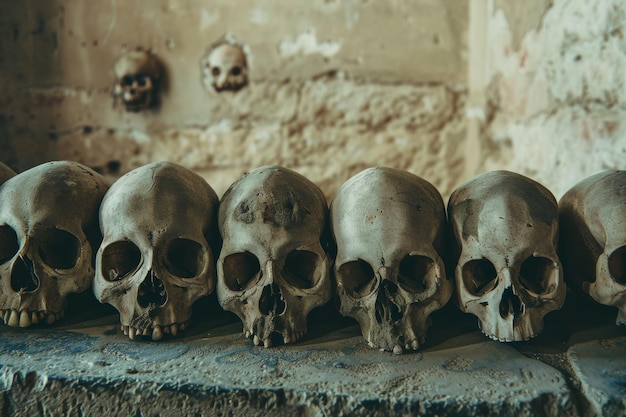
[(137, 76), (225, 68), (273, 269), (508, 273), (156, 258), (48, 232), (390, 229), (593, 238)]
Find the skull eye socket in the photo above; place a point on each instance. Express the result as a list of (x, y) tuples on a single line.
[(8, 243), (617, 265), (479, 276), (300, 269), (59, 249), (119, 260), (357, 277), (142, 80), (185, 258), (215, 71), (537, 273), (127, 80), (236, 70), (240, 271), (416, 273)]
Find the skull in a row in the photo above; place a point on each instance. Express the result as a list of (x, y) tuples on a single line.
[(507, 273), (48, 232), (593, 238), (273, 268), (390, 228), (157, 254)]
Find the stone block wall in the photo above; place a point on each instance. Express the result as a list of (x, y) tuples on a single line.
[(444, 89)]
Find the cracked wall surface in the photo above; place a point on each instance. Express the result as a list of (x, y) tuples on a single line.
[(556, 92)]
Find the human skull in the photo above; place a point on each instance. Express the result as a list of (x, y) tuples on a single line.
[(273, 268), (508, 273), (592, 218), (137, 76), (48, 232), (225, 68), (155, 259), (390, 229)]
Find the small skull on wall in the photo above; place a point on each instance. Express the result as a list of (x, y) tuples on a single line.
[(137, 77), (225, 67)]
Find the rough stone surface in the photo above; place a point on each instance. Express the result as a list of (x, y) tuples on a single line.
[(87, 366)]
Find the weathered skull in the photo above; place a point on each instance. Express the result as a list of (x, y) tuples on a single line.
[(137, 76), (390, 229), (155, 259), (48, 232), (225, 68), (273, 269), (508, 273), (592, 240)]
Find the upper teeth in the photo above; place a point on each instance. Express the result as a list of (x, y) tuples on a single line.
[(25, 318)]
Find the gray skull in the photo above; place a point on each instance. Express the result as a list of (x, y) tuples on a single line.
[(155, 259), (508, 273), (390, 228), (48, 232), (273, 269), (593, 238)]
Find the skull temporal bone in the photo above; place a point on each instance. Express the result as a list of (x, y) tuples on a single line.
[(155, 259), (273, 269), (390, 228), (48, 233), (593, 238), (508, 273)]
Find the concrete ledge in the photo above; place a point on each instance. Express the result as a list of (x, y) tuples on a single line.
[(88, 367)]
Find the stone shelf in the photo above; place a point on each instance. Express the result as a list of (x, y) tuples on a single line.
[(85, 366)]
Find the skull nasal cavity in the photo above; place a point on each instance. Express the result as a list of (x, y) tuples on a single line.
[(272, 301), (151, 292), (23, 276), (510, 304)]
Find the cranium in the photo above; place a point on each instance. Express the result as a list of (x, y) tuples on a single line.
[(273, 269), (593, 238), (508, 273), (390, 229), (48, 232), (137, 76), (155, 259), (225, 68)]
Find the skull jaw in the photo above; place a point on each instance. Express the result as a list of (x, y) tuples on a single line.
[(406, 334), (27, 309), (154, 321), (137, 102), (267, 330)]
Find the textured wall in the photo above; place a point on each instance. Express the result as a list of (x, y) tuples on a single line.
[(557, 91), (336, 86)]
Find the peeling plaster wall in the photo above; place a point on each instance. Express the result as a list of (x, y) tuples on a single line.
[(335, 86), (556, 90)]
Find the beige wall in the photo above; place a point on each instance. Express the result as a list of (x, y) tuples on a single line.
[(444, 89)]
